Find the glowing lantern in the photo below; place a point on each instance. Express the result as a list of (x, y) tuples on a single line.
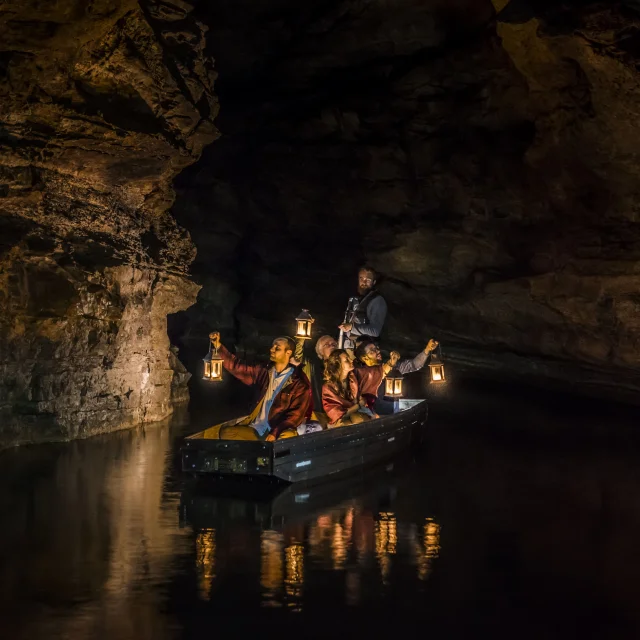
[(304, 321), (212, 365), (393, 385), (436, 367)]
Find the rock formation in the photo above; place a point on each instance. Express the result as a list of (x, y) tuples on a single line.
[(483, 157), (102, 104)]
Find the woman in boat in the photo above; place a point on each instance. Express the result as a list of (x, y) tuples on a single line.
[(340, 398)]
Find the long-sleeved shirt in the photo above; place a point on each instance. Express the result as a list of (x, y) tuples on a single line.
[(376, 315), (291, 405), (410, 365)]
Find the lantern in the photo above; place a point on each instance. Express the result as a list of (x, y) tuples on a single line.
[(212, 365), (436, 368), (304, 321), (393, 385)]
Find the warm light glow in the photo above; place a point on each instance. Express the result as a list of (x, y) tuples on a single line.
[(393, 386), (431, 548), (386, 540), (294, 567), (206, 561), (437, 372), (212, 367), (304, 321), (216, 369), (271, 568)]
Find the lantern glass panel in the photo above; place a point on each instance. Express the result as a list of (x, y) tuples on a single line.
[(397, 391), (437, 373), (207, 368), (216, 369), (389, 386)]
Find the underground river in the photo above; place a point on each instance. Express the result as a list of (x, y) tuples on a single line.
[(520, 518)]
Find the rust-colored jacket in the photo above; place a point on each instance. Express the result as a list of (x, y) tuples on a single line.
[(362, 382), (367, 382), (292, 405), (335, 404)]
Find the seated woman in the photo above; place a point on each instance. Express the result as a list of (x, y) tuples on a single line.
[(340, 399)]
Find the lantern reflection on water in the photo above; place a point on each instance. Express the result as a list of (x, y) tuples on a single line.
[(206, 561), (294, 567), (431, 547), (386, 539), (271, 567), (304, 322)]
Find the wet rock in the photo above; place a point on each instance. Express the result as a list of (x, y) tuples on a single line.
[(101, 106), (486, 164)]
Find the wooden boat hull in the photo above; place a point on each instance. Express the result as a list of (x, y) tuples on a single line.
[(308, 457)]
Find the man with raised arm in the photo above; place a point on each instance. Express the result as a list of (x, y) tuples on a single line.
[(369, 357), (285, 401)]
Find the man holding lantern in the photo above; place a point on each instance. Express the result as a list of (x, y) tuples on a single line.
[(285, 401)]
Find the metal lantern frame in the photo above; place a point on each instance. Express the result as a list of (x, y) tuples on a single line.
[(436, 367), (212, 366), (393, 385), (304, 322)]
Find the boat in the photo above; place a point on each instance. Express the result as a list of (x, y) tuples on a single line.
[(311, 456)]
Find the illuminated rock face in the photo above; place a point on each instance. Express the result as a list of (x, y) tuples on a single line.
[(487, 166), (101, 105)]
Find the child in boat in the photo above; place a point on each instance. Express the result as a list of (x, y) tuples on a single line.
[(340, 398)]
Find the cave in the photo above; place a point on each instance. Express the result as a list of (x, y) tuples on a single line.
[(168, 168)]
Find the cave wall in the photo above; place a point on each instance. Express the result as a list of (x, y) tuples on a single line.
[(102, 104), (483, 156)]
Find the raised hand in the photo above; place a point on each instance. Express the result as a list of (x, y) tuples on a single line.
[(214, 336), (394, 356), (432, 345)]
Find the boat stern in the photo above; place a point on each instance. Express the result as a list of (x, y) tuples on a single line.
[(229, 457)]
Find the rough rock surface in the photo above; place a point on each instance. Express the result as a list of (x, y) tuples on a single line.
[(101, 104), (484, 157)]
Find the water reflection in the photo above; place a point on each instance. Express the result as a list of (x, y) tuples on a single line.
[(430, 548), (205, 561), (271, 574), (294, 576), (94, 536), (352, 541), (105, 539)]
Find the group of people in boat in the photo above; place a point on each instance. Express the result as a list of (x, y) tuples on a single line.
[(347, 385)]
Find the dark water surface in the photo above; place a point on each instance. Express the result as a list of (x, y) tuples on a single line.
[(518, 520)]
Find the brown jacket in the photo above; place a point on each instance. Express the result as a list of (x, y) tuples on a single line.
[(362, 382), (292, 405), (367, 382), (336, 404)]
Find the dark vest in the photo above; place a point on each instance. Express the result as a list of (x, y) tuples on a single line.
[(360, 316)]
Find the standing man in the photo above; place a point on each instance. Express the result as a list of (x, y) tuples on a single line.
[(370, 312)]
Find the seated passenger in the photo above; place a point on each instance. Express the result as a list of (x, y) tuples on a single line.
[(339, 392), (369, 358), (325, 346), (285, 401), (371, 372)]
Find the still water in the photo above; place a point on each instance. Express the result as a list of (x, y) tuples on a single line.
[(517, 520)]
